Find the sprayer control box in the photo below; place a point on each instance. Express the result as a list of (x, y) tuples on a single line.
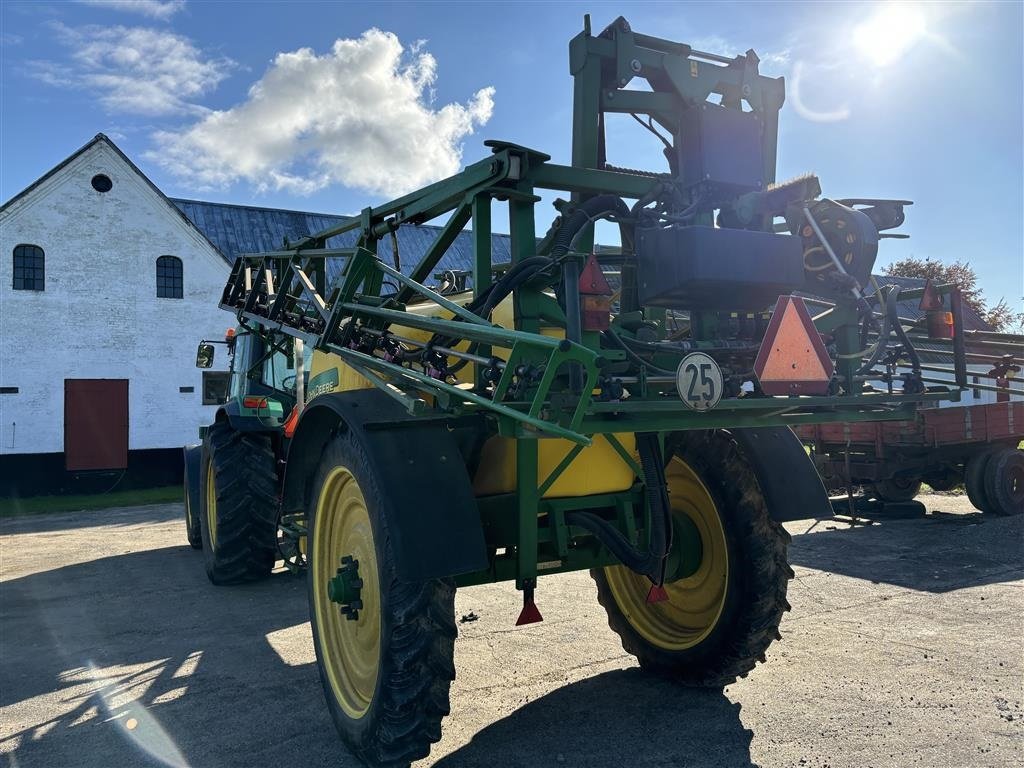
[(703, 267)]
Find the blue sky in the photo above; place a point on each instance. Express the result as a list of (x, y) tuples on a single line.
[(287, 104)]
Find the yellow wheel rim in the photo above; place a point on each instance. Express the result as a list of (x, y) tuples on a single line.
[(349, 650), (695, 602), (211, 505)]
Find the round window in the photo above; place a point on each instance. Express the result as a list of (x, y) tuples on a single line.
[(102, 183)]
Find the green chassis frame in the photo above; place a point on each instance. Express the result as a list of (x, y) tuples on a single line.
[(284, 294)]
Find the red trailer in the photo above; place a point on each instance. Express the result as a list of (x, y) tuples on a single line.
[(976, 445)]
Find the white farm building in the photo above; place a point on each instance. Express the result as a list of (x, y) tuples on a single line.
[(105, 289)]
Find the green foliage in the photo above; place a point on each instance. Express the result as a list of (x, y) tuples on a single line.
[(1001, 316), (35, 505)]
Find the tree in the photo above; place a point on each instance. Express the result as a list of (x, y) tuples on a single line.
[(1001, 317)]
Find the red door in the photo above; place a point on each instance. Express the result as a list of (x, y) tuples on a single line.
[(95, 424)]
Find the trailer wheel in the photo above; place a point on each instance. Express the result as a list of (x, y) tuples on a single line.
[(974, 479), (896, 489), (238, 493), (945, 480), (718, 622), (1004, 482), (384, 648)]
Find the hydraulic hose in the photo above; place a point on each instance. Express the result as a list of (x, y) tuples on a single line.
[(633, 356), (883, 334), (586, 212), (650, 563)]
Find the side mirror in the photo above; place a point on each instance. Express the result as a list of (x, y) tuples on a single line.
[(204, 355)]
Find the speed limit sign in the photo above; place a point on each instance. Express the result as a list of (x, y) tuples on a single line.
[(699, 381)]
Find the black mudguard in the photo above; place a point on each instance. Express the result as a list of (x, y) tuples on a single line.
[(436, 530), (787, 476), (192, 456)]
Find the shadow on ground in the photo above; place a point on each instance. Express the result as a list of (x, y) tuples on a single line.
[(136, 660), (619, 718), (937, 552)]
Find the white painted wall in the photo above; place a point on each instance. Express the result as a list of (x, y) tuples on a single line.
[(99, 316)]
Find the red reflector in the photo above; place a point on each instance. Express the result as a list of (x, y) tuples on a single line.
[(254, 402), (657, 594), (291, 422), (596, 312), (592, 282)]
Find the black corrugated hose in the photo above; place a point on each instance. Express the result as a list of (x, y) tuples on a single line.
[(652, 562)]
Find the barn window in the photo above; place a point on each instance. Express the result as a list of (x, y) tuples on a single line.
[(168, 278), (102, 183), (29, 268)]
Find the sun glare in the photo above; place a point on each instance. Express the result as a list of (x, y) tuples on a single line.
[(889, 33)]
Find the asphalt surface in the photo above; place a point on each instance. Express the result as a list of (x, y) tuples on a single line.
[(904, 648)]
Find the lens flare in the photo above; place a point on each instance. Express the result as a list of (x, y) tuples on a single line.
[(890, 33)]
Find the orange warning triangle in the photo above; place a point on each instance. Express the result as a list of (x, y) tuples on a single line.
[(792, 359)]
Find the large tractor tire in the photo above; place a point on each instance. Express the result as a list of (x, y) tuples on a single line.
[(718, 622), (896, 489), (974, 479), (193, 530), (384, 648), (1004, 482), (239, 505)]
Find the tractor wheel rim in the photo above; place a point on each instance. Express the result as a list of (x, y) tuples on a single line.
[(211, 505), (349, 650), (695, 602)]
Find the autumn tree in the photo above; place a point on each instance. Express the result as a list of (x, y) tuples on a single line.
[(1001, 316)]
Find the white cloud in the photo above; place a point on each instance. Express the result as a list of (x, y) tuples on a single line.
[(155, 9), (360, 115), (134, 69), (775, 60)]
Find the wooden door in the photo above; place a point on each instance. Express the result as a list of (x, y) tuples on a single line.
[(95, 424)]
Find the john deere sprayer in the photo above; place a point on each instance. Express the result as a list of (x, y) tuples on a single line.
[(624, 410)]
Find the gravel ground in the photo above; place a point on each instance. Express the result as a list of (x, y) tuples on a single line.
[(904, 648)]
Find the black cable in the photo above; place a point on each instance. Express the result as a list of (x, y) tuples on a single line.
[(649, 125)]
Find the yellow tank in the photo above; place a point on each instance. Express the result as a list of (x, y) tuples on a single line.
[(597, 469)]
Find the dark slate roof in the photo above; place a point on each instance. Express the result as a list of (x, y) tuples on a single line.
[(238, 229)]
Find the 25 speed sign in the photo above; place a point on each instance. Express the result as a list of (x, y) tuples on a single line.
[(699, 381)]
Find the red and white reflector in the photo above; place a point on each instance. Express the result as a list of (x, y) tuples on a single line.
[(595, 297), (792, 359)]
